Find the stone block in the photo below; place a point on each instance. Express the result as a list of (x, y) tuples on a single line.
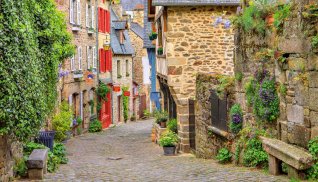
[(314, 132), (296, 64), (274, 165), (312, 62), (293, 45), (301, 95), (313, 79), (313, 99), (299, 135), (35, 174), (295, 113), (37, 159), (176, 61)]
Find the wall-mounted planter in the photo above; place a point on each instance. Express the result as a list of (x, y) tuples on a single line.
[(77, 75), (153, 36), (126, 93), (90, 31), (76, 28), (116, 88), (160, 51)]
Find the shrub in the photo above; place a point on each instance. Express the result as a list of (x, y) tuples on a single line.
[(147, 113), (168, 139), (61, 122), (312, 173), (239, 76), (161, 116), (224, 155), (95, 126), (236, 115), (20, 168), (59, 150), (254, 154), (172, 125)]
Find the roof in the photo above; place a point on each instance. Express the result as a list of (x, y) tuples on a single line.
[(122, 49), (130, 5), (137, 29), (119, 25), (113, 15), (147, 28), (195, 2)]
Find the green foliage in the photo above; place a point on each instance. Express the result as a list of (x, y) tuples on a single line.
[(95, 126), (61, 122), (20, 168), (284, 168), (79, 125), (168, 139), (161, 116), (262, 95), (314, 41), (59, 150), (313, 147), (282, 89), (254, 154), (312, 173), (126, 104), (236, 115), (239, 76), (102, 91), (237, 153), (34, 41), (30, 146), (281, 14), (225, 82), (172, 125), (224, 155), (147, 113)]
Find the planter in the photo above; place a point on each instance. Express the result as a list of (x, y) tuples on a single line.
[(78, 76), (47, 138), (169, 151), (270, 20), (153, 36), (116, 88), (126, 93), (163, 124)]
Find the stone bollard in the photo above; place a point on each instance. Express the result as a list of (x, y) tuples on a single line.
[(37, 163)]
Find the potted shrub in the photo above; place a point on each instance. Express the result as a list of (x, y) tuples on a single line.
[(133, 118), (162, 118), (172, 125), (160, 51), (153, 35), (168, 141)]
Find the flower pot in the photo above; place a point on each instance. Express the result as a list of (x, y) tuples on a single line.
[(270, 20), (163, 124), (126, 93), (116, 88), (169, 151)]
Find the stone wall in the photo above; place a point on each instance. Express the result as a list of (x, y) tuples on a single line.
[(9, 152), (191, 45), (297, 122), (206, 141)]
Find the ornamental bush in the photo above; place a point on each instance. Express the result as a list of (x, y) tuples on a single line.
[(236, 115), (172, 125), (61, 122), (224, 155), (168, 139), (34, 41), (254, 154), (95, 126)]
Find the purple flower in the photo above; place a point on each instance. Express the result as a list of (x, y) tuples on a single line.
[(261, 74), (227, 24), (236, 118), (267, 96), (74, 122), (238, 10), (218, 21)]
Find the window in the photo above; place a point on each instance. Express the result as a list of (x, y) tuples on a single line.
[(91, 101), (79, 52), (127, 68), (94, 57), (118, 69), (89, 15), (72, 63), (218, 111), (105, 60), (88, 56), (75, 12)]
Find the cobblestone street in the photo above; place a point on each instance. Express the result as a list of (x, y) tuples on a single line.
[(126, 153)]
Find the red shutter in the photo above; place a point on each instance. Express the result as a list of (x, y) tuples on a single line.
[(101, 61), (99, 20), (111, 59), (107, 21), (108, 64), (104, 21)]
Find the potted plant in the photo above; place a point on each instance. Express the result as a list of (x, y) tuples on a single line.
[(127, 93), (153, 35), (160, 51), (162, 118), (133, 118), (168, 141), (78, 75)]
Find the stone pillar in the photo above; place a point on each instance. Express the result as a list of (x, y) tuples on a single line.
[(184, 125), (273, 164)]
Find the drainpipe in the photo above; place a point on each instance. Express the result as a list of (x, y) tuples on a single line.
[(111, 71)]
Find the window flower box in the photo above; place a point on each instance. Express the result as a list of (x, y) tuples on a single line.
[(77, 75), (126, 93), (76, 28), (160, 51), (90, 31), (153, 36), (116, 88)]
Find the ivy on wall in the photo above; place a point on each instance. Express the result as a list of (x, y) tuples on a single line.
[(125, 104), (33, 42)]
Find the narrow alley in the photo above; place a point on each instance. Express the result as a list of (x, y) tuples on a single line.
[(126, 153)]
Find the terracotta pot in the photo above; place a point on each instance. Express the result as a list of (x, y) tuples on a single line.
[(270, 20), (163, 124)]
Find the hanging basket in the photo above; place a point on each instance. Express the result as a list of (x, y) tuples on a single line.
[(116, 88), (126, 93)]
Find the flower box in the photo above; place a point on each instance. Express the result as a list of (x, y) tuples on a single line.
[(90, 31), (76, 28), (116, 88), (126, 93), (77, 75), (160, 51)]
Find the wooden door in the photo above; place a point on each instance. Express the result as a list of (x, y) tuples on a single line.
[(142, 105), (105, 113)]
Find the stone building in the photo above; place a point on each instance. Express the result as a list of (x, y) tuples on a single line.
[(122, 60), (78, 87), (189, 42)]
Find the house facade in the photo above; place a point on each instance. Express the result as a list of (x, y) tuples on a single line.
[(122, 69), (79, 84), (191, 39)]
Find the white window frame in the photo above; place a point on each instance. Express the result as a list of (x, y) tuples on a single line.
[(72, 60), (93, 18), (78, 12), (71, 11), (94, 57), (87, 16), (79, 52)]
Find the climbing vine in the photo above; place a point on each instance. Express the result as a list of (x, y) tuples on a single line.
[(125, 104), (34, 41), (102, 92)]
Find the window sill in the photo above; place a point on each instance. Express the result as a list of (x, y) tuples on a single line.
[(76, 28), (161, 56), (219, 132), (90, 32)]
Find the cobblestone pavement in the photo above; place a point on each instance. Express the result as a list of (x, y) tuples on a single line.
[(126, 153)]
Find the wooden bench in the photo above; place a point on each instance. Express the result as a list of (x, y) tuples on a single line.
[(296, 158), (37, 163)]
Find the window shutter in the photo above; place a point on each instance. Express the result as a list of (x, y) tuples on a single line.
[(72, 63), (111, 59), (93, 17), (107, 22), (86, 16), (80, 58), (100, 60), (70, 99), (78, 12), (94, 57), (71, 11), (99, 19), (81, 104), (103, 22)]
